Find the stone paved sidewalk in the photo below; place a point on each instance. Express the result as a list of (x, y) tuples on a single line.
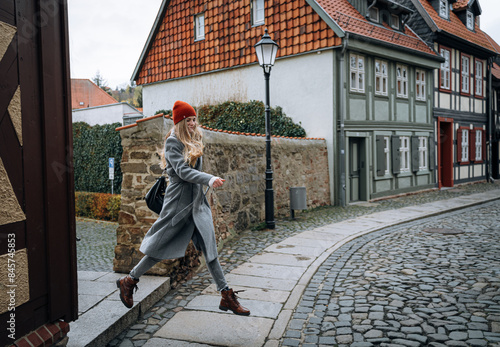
[(238, 252)]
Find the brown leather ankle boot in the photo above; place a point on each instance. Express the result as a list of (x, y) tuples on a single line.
[(127, 285), (229, 301)]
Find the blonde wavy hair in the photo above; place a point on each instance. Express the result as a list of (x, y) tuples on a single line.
[(193, 142)]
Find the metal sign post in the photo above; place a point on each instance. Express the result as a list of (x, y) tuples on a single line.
[(111, 162)]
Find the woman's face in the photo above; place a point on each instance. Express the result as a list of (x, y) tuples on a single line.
[(191, 123)]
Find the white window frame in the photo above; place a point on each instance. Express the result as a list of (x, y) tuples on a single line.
[(387, 154), (445, 71), (357, 73), (420, 78), (470, 20), (395, 21), (479, 145), (402, 81), (258, 12), (465, 74), (381, 77), (404, 152), (374, 14), (199, 27), (465, 145), (478, 76), (444, 10), (422, 153)]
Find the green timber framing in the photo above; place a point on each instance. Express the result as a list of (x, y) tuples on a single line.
[(374, 123)]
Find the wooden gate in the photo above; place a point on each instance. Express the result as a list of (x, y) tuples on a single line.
[(37, 224)]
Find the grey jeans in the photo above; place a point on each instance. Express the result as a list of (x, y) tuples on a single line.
[(214, 268)]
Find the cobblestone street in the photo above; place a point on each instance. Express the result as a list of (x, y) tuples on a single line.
[(405, 286), (96, 246)]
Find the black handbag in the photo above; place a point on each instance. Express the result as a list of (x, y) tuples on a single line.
[(155, 195)]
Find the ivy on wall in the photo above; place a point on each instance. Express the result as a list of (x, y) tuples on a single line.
[(246, 117), (92, 146)]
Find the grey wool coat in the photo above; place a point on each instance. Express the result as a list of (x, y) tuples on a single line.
[(185, 208)]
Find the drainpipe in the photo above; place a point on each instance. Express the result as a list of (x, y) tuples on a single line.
[(342, 188), (369, 7), (489, 124)]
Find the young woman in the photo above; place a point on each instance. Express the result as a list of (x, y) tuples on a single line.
[(186, 214)]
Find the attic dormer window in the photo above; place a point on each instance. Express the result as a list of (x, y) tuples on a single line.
[(394, 21), (374, 14), (199, 27), (470, 20), (257, 12), (444, 9)]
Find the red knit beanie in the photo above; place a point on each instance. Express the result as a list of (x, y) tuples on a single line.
[(182, 110)]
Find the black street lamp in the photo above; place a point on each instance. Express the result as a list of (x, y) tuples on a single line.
[(266, 50)]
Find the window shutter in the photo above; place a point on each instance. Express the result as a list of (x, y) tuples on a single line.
[(414, 154), (396, 160), (484, 145), (459, 145), (472, 145), (432, 153), (380, 155)]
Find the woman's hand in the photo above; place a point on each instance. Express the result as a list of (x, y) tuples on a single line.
[(218, 182)]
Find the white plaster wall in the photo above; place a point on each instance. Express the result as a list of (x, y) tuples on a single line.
[(105, 114), (464, 172), (444, 100), (301, 85), (478, 107), (478, 170), (464, 104)]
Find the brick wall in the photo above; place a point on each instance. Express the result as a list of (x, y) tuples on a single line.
[(238, 158)]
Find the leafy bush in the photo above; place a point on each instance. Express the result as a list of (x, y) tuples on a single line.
[(92, 146), (246, 117), (101, 206)]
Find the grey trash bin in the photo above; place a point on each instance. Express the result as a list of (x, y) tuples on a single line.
[(298, 199)]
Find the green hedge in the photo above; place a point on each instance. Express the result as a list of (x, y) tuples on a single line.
[(246, 117), (92, 146)]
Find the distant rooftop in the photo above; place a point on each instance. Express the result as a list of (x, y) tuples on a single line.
[(85, 93)]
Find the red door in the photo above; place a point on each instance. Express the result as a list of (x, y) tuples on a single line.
[(445, 152)]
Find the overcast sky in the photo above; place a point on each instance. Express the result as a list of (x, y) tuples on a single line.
[(108, 35)]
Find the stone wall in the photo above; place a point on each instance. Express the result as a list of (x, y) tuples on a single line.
[(240, 160)]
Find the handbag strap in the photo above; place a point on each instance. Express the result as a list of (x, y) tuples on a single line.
[(164, 173)]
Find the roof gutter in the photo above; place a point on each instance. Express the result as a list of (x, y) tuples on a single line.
[(436, 57), (326, 18), (474, 46), (149, 41)]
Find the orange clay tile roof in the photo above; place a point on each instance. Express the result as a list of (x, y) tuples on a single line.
[(495, 45), (230, 37), (217, 130), (455, 27), (460, 4), (87, 92), (496, 71), (350, 20)]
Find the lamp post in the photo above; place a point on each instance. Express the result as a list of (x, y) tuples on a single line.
[(266, 50)]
